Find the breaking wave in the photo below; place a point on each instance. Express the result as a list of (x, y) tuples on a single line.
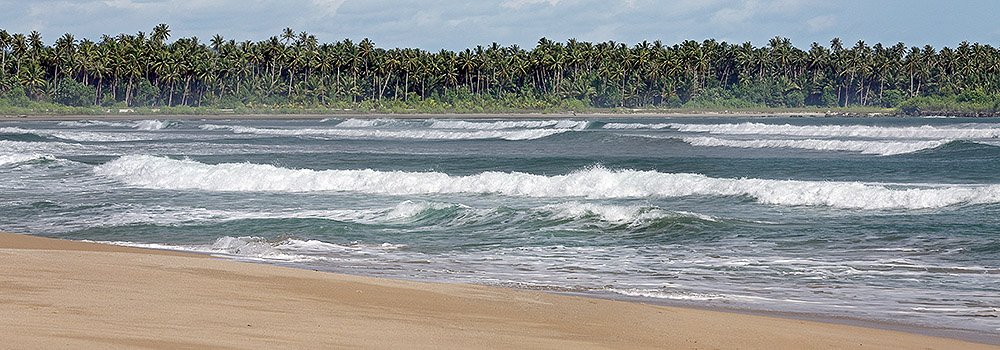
[(7, 159), (418, 213), (365, 123), (914, 132), (597, 182), (148, 124), (282, 249), (631, 215), (635, 126), (513, 135), (82, 136), (27, 146), (509, 124), (152, 124), (87, 123), (884, 148)]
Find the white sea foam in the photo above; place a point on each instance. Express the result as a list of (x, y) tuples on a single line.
[(617, 214), (86, 123), (6, 159), (365, 123), (7, 146), (529, 134), (913, 132), (151, 124), (164, 173), (262, 249), (867, 147), (249, 247), (509, 124), (403, 213), (671, 295), (410, 209), (83, 136), (634, 126), (175, 216)]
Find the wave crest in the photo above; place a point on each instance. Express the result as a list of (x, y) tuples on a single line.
[(509, 124), (913, 132), (512, 135), (8, 159), (884, 148), (164, 173)]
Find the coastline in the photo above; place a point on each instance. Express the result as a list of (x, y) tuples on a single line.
[(85, 295), (638, 114), (418, 116)]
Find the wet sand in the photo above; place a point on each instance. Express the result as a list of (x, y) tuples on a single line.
[(63, 294)]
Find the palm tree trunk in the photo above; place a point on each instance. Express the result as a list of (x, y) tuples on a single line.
[(128, 92), (55, 76), (187, 83), (100, 84), (384, 85)]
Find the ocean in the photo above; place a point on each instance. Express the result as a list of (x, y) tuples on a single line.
[(889, 220)]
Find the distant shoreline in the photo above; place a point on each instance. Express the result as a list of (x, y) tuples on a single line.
[(46, 117), (560, 115)]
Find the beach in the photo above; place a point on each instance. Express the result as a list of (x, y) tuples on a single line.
[(513, 231), (63, 294), (418, 116)]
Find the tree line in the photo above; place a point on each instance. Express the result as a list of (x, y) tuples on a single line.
[(294, 69)]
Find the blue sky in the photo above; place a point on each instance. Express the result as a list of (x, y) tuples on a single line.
[(455, 25)]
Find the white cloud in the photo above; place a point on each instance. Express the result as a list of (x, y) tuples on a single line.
[(517, 4), (457, 24), (753, 9), (122, 4), (821, 23), (328, 7)]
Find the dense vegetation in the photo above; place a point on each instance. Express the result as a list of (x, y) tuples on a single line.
[(294, 72)]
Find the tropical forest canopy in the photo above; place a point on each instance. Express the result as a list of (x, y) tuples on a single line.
[(293, 70)]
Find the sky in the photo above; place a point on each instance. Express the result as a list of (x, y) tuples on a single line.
[(455, 25)]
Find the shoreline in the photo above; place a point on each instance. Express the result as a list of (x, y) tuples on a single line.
[(306, 116), (86, 295), (499, 116), (931, 331)]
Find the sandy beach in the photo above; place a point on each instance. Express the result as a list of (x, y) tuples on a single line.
[(64, 294), (126, 116)]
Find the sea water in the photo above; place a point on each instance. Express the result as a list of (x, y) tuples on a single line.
[(893, 220)]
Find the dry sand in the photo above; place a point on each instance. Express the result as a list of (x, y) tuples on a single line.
[(69, 295)]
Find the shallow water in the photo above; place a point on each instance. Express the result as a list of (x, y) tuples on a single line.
[(889, 220)]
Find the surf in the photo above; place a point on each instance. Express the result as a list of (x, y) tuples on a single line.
[(884, 148), (595, 183), (417, 134), (827, 131)]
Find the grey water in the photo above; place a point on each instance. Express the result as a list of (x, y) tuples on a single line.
[(891, 220)]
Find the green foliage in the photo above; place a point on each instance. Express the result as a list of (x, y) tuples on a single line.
[(73, 93), (892, 98), (719, 98), (976, 97), (300, 74), (973, 102), (795, 99), (16, 97), (146, 94), (107, 100)]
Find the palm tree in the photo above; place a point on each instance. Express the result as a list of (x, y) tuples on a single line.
[(160, 33)]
